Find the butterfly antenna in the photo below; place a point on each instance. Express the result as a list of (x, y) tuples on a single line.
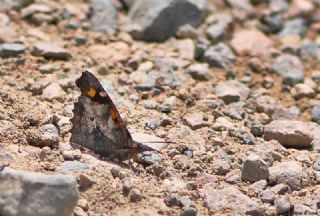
[(171, 142)]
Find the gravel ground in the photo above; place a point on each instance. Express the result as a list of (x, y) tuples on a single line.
[(234, 83)]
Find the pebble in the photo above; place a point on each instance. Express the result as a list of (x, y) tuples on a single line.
[(189, 211), (309, 50), (80, 40), (315, 114), (288, 172), (230, 198), (258, 186), (40, 138), (233, 177), (316, 165), (152, 124), (135, 195), (149, 20), (72, 154), (85, 181), (219, 55), (302, 90), (231, 91), (51, 51), (22, 192), (149, 158), (104, 16), (296, 134), (197, 120), (294, 27), (48, 68), (267, 197), (254, 168), (11, 49), (217, 30), (290, 68), (251, 42), (53, 92), (271, 23), (68, 166), (283, 204), (199, 72)]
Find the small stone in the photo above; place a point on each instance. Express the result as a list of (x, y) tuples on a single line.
[(48, 68), (150, 104), (68, 166), (72, 154), (267, 197), (302, 90), (259, 186), (283, 204), (217, 30), (309, 50), (290, 68), (231, 91), (189, 211), (149, 158), (135, 195), (51, 51), (197, 120), (104, 18), (289, 172), (257, 130), (152, 124), (233, 177), (254, 168), (271, 23), (219, 55), (80, 40), (294, 27), (289, 133), (42, 138), (316, 165), (252, 42), (22, 193), (50, 128), (11, 49), (230, 199), (85, 182), (53, 92), (315, 113), (199, 72)]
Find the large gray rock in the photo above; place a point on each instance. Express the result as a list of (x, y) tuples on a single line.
[(104, 18), (28, 194), (290, 68), (230, 199), (289, 172), (154, 20), (294, 27), (254, 168)]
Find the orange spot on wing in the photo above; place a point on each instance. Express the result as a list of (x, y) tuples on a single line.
[(115, 117), (91, 92)]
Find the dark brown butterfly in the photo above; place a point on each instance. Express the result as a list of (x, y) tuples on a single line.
[(97, 124)]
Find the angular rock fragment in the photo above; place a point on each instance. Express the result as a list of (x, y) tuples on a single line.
[(153, 20), (29, 194)]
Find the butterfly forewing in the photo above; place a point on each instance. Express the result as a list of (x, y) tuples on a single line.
[(97, 124)]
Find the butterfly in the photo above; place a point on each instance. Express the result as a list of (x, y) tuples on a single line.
[(97, 124)]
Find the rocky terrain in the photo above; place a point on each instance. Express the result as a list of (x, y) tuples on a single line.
[(234, 83)]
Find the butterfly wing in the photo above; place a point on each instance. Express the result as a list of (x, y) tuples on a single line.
[(97, 124)]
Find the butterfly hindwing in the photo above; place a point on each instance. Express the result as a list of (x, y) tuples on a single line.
[(97, 124)]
